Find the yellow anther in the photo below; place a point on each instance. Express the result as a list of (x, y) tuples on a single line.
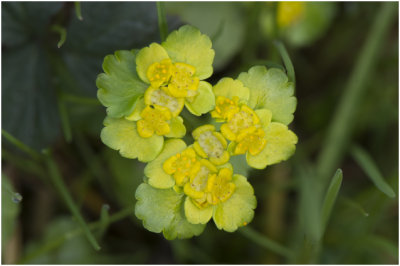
[(178, 155), (159, 73), (182, 83)]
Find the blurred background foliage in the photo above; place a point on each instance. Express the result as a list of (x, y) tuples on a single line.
[(345, 57)]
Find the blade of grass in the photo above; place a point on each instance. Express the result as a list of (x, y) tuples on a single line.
[(265, 241), (330, 197), (286, 60), (367, 164), (79, 99), (66, 126), (219, 31), (104, 219), (35, 155), (355, 205), (339, 131), (56, 178), (63, 34), (78, 11), (162, 21), (26, 165)]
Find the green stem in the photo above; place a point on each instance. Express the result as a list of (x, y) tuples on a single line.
[(162, 21), (35, 155), (59, 184), (265, 242), (339, 132)]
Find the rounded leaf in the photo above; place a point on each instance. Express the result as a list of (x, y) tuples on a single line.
[(121, 134), (228, 87), (270, 89), (146, 57), (195, 215), (154, 170), (203, 102), (188, 45), (177, 127), (161, 210), (119, 88), (280, 146), (238, 210)]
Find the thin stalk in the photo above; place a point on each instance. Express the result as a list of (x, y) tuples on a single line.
[(265, 241), (162, 21), (35, 155), (56, 178), (339, 132)]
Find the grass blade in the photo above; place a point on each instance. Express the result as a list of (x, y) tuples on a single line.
[(286, 60), (78, 11), (265, 241), (367, 164), (340, 130), (162, 21), (59, 184), (20, 145), (63, 34), (331, 196), (66, 126)]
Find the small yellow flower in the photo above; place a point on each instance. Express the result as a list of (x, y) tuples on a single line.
[(210, 144), (154, 120), (180, 165), (225, 108), (288, 13)]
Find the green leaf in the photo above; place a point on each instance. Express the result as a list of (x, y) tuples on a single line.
[(203, 102), (161, 210), (188, 45), (195, 215), (367, 164), (23, 20), (178, 129), (270, 89), (228, 87), (214, 18), (120, 86), (9, 211), (106, 27), (121, 134), (238, 210), (28, 100), (330, 197)]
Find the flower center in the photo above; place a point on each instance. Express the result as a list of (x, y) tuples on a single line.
[(159, 73), (181, 165), (239, 121), (252, 140), (154, 120), (160, 97), (183, 83), (220, 187), (225, 108)]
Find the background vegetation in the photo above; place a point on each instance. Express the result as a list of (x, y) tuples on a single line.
[(65, 194)]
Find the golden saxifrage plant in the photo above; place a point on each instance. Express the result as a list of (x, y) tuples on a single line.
[(185, 186)]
